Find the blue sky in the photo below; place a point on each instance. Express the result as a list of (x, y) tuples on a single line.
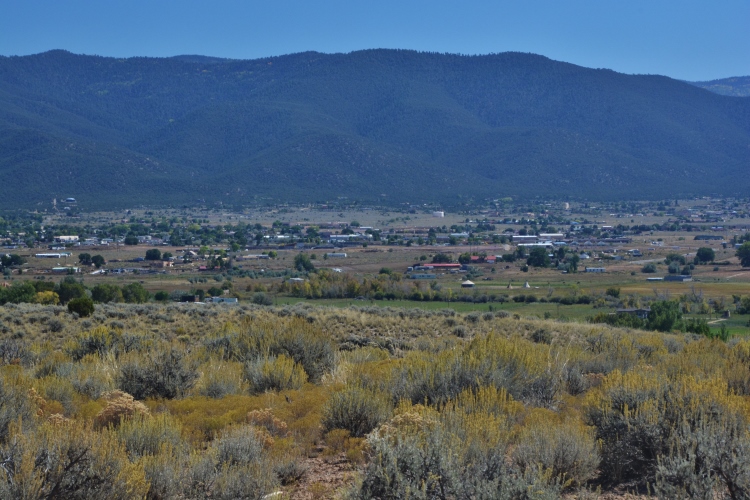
[(687, 39)]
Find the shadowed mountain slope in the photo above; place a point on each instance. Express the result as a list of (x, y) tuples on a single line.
[(385, 125)]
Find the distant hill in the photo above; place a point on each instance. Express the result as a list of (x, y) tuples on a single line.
[(738, 86), (375, 125)]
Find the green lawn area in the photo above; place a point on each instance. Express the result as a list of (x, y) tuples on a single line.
[(737, 324), (577, 312)]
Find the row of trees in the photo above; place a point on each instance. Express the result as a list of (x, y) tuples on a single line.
[(664, 316), (69, 289)]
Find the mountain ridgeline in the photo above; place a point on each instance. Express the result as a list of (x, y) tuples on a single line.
[(383, 126)]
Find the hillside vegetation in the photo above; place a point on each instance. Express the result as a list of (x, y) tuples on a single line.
[(190, 401), (735, 86), (388, 125)]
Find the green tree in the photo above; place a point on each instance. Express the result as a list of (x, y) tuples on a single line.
[(84, 306), (665, 316), (153, 254), (676, 258), (704, 255), (743, 252), (573, 259), (84, 258), (441, 258), (17, 293), (106, 292), (134, 293), (302, 262), (649, 268), (131, 239), (98, 261), (8, 260), (538, 257), (69, 289)]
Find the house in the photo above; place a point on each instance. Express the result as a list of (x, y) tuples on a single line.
[(441, 266), (253, 257), (596, 270), (467, 284), (343, 238)]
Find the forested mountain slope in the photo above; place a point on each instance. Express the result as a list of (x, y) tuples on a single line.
[(385, 125)]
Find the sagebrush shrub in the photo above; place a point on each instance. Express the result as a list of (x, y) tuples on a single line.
[(273, 373), (165, 373), (16, 407), (356, 410), (709, 459), (68, 461), (144, 434), (423, 455), (569, 451), (219, 379), (639, 416)]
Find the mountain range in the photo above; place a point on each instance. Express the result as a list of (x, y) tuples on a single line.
[(385, 126)]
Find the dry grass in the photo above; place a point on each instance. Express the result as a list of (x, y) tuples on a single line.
[(538, 393)]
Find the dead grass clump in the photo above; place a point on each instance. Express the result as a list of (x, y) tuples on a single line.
[(120, 405), (266, 420)]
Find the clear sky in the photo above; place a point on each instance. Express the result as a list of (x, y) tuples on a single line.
[(685, 39)]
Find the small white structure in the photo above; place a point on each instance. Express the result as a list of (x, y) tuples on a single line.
[(530, 238), (334, 255), (526, 285), (65, 270), (467, 284), (438, 214), (66, 239)]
